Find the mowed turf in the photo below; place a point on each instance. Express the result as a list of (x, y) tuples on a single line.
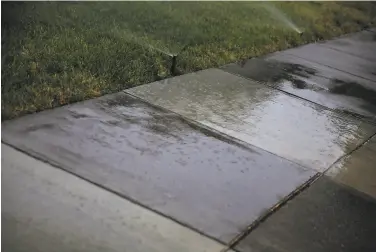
[(54, 53)]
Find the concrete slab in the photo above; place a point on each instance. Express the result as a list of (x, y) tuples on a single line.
[(358, 170), (361, 44), (323, 85), (46, 209), (326, 217), (154, 157), (287, 126), (336, 59)]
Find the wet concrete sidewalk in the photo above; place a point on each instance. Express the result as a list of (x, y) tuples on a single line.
[(269, 154)]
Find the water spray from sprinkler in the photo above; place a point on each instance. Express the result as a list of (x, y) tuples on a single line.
[(276, 13)]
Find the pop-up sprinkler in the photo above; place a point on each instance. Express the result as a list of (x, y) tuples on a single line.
[(173, 69), (173, 65)]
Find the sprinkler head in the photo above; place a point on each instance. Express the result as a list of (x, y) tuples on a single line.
[(173, 65), (301, 34), (173, 69)]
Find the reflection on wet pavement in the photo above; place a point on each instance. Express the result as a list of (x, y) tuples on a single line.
[(358, 170), (319, 84), (291, 128), (154, 157)]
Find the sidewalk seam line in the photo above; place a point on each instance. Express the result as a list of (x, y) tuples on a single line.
[(351, 115), (272, 210), (326, 65), (344, 52), (288, 198), (351, 152), (124, 197), (233, 140)]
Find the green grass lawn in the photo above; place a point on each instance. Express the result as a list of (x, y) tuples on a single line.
[(54, 53)]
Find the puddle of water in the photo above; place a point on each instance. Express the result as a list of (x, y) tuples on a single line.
[(259, 115), (353, 89)]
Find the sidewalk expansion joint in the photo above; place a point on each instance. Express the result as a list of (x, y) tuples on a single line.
[(339, 112), (271, 211), (313, 61), (351, 152), (344, 52), (219, 135), (40, 158), (288, 198)]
